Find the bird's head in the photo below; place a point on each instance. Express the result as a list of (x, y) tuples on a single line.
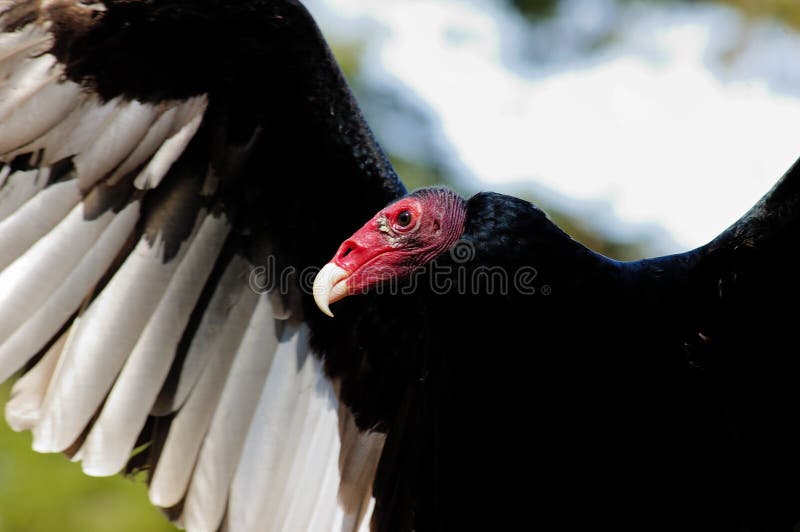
[(399, 239)]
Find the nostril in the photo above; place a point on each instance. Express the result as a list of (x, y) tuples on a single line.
[(349, 248)]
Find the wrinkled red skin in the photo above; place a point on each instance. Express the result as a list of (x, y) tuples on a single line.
[(383, 249)]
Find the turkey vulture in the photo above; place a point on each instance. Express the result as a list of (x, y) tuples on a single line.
[(173, 174)]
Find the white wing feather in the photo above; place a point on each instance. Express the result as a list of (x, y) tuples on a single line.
[(257, 436)]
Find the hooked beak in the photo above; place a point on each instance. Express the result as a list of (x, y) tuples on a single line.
[(330, 286), (336, 279)]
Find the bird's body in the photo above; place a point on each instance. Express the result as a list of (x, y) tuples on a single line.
[(495, 374), (588, 390)]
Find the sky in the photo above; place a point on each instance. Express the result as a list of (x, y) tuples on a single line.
[(678, 117)]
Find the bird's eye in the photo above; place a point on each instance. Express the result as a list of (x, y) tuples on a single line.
[(403, 219)]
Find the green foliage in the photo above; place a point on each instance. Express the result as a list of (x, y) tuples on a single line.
[(534, 9), (47, 492), (595, 240), (348, 55), (787, 11)]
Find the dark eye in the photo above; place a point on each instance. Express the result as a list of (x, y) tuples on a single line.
[(403, 219)]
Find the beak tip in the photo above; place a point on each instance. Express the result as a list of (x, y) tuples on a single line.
[(324, 308), (324, 290)]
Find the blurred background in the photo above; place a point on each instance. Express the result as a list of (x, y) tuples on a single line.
[(641, 127)]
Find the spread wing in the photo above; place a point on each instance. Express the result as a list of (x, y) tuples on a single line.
[(742, 346), (169, 173)]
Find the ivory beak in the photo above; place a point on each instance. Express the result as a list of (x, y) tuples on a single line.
[(330, 286)]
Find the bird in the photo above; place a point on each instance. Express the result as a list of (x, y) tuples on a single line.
[(173, 176)]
